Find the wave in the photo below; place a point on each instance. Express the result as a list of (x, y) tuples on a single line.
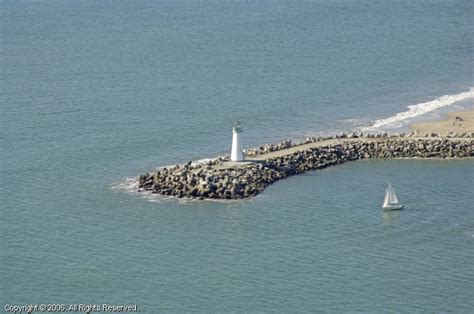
[(193, 162), (470, 234), (420, 109), (129, 184)]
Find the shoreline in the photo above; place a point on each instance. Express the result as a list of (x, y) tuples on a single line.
[(222, 179), (447, 124)]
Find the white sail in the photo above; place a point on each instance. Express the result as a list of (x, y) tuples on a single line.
[(390, 198), (386, 199), (393, 196)]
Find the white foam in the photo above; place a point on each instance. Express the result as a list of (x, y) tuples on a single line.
[(202, 161), (193, 162), (130, 186), (470, 234), (420, 109), (127, 185)]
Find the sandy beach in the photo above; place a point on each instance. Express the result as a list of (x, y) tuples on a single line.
[(448, 124)]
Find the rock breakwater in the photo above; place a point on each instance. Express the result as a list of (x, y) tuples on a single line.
[(219, 179)]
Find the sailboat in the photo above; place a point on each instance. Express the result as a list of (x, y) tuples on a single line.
[(390, 200)]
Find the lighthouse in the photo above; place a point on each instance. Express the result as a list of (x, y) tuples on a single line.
[(236, 153)]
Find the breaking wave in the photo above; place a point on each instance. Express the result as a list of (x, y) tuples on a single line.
[(130, 185), (420, 109)]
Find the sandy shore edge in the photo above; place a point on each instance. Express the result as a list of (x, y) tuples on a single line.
[(449, 124)]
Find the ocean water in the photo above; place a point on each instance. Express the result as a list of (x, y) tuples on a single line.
[(94, 93)]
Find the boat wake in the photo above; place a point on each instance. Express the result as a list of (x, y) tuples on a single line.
[(419, 109)]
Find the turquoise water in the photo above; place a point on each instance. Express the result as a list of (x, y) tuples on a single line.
[(93, 93)]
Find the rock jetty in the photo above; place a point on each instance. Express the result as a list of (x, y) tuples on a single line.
[(220, 179)]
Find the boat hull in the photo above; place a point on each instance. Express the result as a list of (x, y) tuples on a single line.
[(392, 207)]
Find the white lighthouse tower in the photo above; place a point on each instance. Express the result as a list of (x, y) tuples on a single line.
[(236, 153)]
